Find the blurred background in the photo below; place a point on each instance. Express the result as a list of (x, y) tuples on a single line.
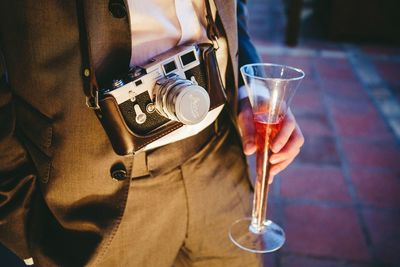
[(339, 202)]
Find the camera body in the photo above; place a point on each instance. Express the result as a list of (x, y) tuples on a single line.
[(175, 89), (171, 87)]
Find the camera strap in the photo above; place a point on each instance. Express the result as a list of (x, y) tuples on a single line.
[(212, 29), (90, 85)]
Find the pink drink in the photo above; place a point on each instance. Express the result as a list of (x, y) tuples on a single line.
[(265, 133)]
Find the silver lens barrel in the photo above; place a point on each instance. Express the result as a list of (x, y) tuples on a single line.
[(181, 100)]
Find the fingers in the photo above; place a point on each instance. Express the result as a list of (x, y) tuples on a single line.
[(280, 166), (288, 153), (285, 146), (246, 127), (277, 168), (291, 148), (288, 126)]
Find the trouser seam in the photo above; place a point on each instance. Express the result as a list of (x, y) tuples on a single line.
[(186, 202)]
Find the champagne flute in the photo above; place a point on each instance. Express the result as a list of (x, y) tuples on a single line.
[(270, 89)]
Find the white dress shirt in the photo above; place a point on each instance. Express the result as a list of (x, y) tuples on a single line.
[(159, 25)]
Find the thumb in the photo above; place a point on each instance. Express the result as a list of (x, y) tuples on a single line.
[(246, 127)]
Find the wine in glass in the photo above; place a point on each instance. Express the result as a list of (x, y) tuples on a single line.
[(270, 88)]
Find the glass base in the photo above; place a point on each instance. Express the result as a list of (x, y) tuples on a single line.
[(270, 238)]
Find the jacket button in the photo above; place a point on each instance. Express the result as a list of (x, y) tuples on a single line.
[(119, 175), (118, 172), (117, 8)]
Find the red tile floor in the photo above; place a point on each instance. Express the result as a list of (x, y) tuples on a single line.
[(339, 202)]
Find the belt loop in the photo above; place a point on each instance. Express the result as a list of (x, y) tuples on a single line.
[(140, 168), (216, 126)]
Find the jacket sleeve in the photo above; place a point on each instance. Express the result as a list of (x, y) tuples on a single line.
[(17, 176), (247, 51)]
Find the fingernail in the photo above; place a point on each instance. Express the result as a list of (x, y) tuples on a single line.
[(274, 160), (274, 172), (249, 144), (277, 147), (271, 179)]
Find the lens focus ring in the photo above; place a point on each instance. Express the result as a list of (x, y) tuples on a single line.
[(181, 100)]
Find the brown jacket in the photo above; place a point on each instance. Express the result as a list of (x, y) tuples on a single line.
[(58, 203)]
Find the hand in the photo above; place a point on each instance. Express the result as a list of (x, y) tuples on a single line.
[(285, 146)]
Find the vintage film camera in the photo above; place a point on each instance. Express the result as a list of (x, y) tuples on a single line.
[(170, 90), (169, 87)]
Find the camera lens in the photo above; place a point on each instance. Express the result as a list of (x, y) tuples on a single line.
[(181, 100)]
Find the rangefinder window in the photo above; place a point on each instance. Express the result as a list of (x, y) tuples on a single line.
[(169, 67), (188, 58)]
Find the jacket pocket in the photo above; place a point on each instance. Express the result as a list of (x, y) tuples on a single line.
[(36, 132)]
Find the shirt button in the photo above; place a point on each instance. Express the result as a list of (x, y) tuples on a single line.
[(117, 8)]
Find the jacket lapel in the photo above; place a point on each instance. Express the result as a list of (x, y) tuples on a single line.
[(227, 13), (110, 40)]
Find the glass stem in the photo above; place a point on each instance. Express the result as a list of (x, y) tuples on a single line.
[(261, 189)]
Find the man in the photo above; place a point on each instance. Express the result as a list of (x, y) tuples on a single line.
[(165, 206)]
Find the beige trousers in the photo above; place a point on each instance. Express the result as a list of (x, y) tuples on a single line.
[(180, 215)]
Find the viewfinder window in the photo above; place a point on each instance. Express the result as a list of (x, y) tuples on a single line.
[(188, 58), (169, 67), (138, 82)]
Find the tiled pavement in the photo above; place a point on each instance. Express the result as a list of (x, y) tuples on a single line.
[(339, 202)]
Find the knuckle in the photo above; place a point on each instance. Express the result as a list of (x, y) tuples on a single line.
[(292, 155), (290, 121), (301, 140), (299, 137)]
